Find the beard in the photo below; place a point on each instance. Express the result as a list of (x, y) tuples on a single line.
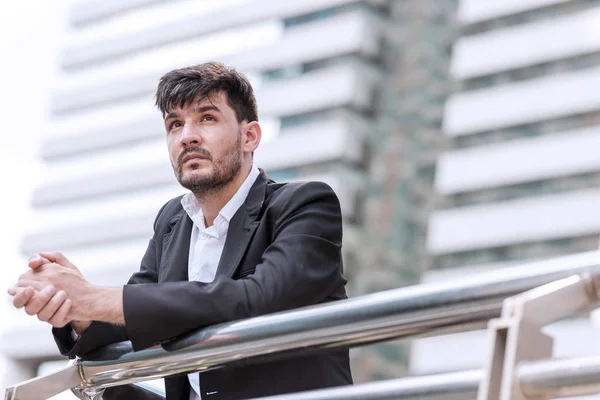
[(204, 182)]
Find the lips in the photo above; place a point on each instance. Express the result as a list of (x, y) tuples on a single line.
[(192, 157)]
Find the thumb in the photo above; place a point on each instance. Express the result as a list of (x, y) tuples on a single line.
[(37, 260), (58, 258)]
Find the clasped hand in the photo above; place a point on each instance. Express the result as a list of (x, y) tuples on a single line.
[(53, 289)]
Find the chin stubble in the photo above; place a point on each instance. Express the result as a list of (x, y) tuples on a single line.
[(221, 174)]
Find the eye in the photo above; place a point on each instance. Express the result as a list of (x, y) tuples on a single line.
[(174, 125), (208, 118)]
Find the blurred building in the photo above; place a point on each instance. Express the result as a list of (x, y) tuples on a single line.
[(519, 179), (458, 134)]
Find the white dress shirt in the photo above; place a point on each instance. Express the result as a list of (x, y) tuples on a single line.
[(206, 245)]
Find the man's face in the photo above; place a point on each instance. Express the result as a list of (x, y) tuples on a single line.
[(205, 144)]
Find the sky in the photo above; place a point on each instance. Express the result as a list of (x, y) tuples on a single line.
[(30, 35)]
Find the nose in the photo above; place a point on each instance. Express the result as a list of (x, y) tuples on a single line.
[(190, 135)]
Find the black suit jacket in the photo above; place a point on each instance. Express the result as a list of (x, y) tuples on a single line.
[(282, 251)]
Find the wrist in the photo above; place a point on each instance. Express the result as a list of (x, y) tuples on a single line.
[(79, 327), (85, 308), (102, 304)]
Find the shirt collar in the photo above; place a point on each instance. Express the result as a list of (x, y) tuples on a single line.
[(192, 207), (240, 196)]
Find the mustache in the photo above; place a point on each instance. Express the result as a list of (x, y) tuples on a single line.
[(197, 151)]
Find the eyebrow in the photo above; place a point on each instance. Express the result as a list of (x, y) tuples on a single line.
[(198, 110), (202, 109)]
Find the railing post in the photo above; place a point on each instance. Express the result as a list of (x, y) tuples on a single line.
[(511, 341), (516, 336)]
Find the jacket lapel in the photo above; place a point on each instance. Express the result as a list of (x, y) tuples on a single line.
[(176, 249), (242, 227)]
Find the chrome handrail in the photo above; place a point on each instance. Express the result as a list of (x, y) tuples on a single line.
[(560, 378), (547, 378), (459, 385), (420, 310)]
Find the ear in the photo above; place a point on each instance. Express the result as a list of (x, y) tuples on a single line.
[(252, 134)]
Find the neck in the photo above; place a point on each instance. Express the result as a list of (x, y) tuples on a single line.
[(213, 203)]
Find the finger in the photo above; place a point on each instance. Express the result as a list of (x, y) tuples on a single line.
[(60, 317), (22, 297), (13, 291), (39, 300), (58, 258), (37, 260), (34, 284), (46, 266), (52, 306)]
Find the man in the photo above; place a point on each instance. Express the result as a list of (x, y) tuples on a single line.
[(236, 246)]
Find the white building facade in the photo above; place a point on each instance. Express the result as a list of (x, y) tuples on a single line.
[(519, 178)]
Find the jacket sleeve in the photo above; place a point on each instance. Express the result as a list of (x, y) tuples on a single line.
[(301, 266), (100, 334)]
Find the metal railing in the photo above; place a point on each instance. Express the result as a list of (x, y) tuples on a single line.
[(538, 380), (415, 311)]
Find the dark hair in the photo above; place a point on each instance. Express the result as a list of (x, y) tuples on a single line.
[(181, 87)]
